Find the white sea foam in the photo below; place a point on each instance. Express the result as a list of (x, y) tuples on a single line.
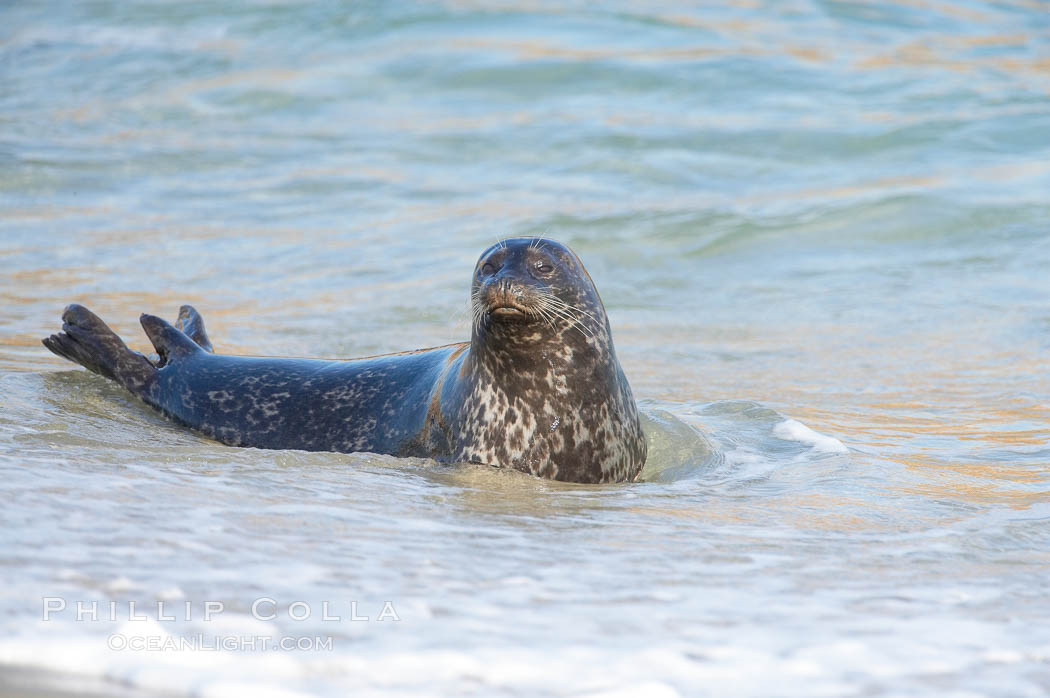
[(792, 430), (121, 583), (170, 594)]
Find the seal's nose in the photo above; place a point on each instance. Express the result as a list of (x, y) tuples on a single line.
[(510, 289), (503, 293)]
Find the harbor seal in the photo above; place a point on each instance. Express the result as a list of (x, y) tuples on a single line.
[(537, 388)]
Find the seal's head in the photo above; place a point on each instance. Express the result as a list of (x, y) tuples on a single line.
[(530, 290)]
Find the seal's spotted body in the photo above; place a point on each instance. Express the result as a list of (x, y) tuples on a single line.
[(538, 388)]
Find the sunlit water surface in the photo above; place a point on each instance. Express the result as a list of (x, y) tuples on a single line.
[(821, 232)]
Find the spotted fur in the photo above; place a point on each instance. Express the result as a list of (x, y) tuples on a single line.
[(538, 387)]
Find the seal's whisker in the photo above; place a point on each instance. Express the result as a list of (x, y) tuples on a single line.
[(545, 314), (566, 314), (572, 308), (579, 319), (554, 301), (459, 318), (555, 317), (578, 314), (477, 311), (535, 243)]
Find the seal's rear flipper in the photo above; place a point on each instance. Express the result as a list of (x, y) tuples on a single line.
[(169, 342), (88, 341), (192, 325)]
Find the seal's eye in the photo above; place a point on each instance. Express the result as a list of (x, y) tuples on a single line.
[(488, 268), (543, 268)]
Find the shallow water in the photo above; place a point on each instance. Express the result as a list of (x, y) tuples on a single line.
[(821, 233)]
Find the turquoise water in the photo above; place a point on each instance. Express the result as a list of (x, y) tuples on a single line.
[(822, 233)]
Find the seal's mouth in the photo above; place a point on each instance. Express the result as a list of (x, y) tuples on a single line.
[(508, 312)]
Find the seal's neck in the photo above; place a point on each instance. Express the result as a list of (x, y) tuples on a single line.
[(515, 352)]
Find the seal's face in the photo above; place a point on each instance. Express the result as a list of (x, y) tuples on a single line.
[(532, 287)]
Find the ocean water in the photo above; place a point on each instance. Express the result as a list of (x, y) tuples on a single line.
[(822, 234)]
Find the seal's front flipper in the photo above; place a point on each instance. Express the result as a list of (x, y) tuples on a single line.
[(192, 325), (169, 342), (88, 341)]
